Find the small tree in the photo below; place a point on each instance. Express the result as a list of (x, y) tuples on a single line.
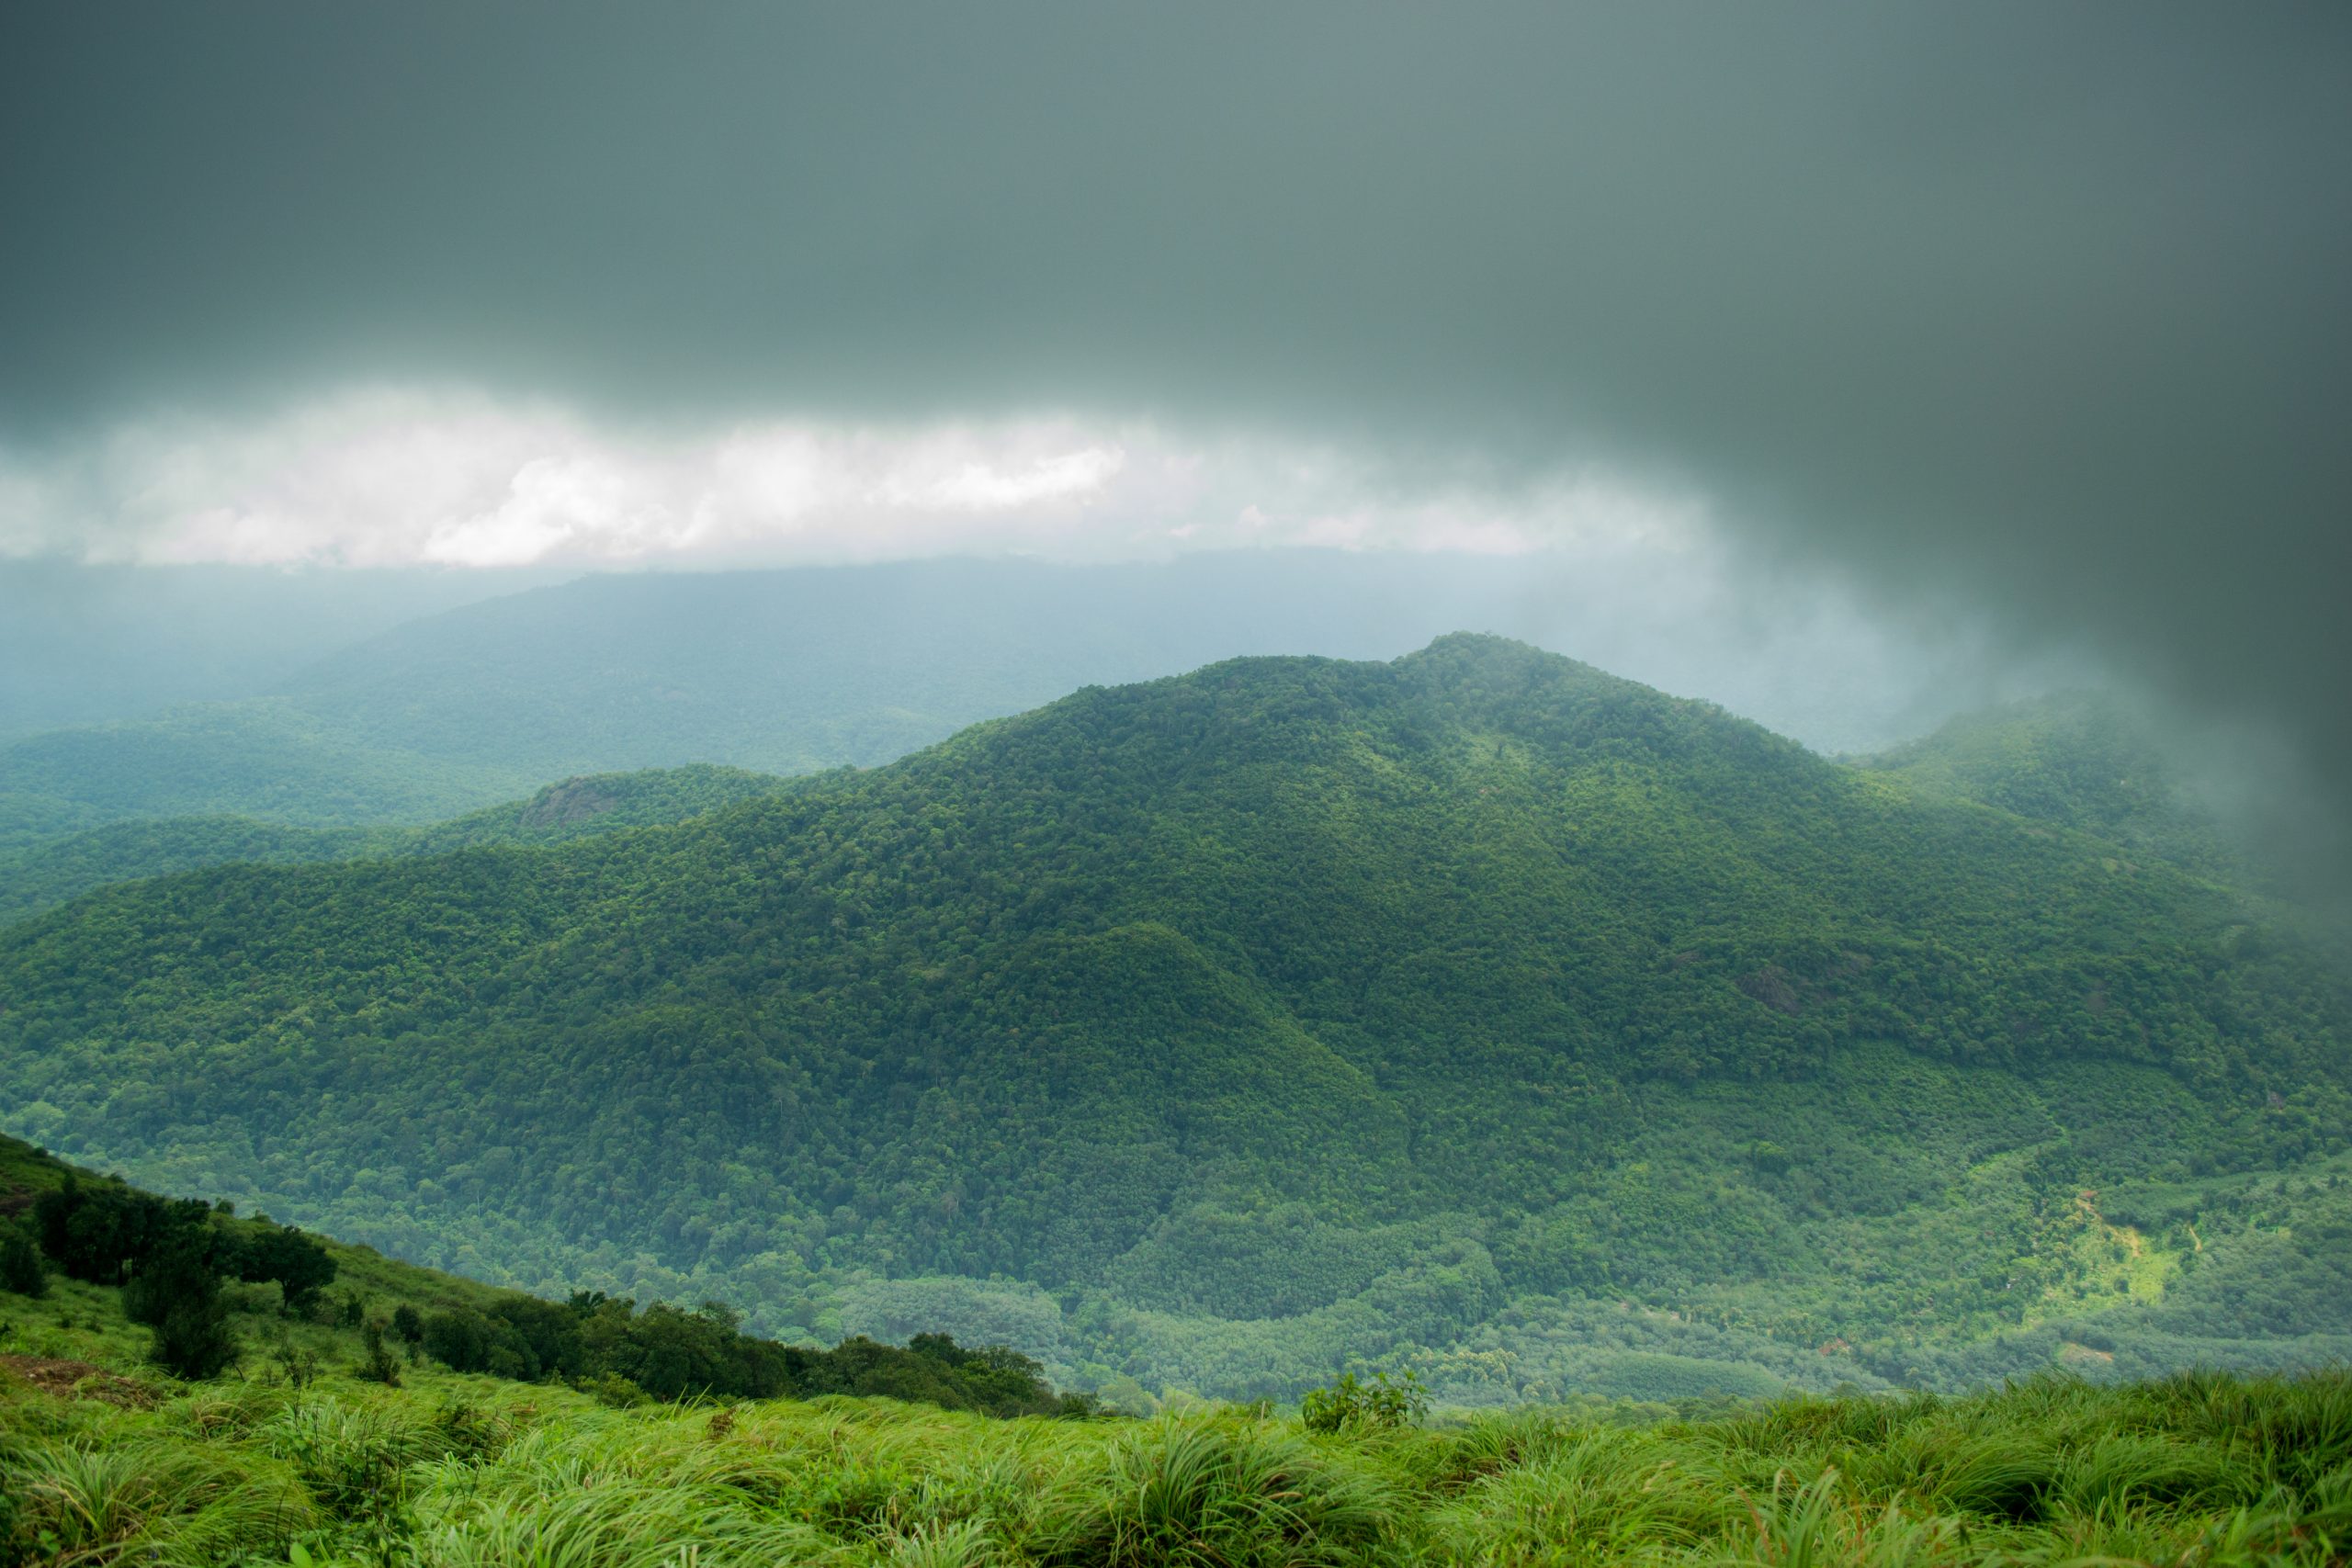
[(299, 1265), (407, 1324), (194, 1340), (301, 1365), (459, 1339), (379, 1367), (179, 1269)]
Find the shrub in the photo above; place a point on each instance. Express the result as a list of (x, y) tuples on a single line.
[(176, 1293), (1387, 1401), (194, 1340), (379, 1366)]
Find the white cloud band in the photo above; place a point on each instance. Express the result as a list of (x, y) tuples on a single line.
[(400, 476)]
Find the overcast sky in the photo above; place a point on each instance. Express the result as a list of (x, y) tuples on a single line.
[(2037, 310)]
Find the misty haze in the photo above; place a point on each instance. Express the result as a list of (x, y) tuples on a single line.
[(1024, 784)]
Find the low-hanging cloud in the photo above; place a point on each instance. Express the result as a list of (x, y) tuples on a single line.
[(390, 478)]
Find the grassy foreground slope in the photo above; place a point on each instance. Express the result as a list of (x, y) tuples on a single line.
[(317, 1448), (451, 1471), (1476, 1013), (47, 874)]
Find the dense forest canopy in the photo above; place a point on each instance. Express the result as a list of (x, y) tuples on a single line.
[(1478, 1010)]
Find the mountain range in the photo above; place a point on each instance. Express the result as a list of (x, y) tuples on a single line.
[(1477, 1012)]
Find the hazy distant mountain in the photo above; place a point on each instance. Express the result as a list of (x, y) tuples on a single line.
[(83, 645), (791, 672), (50, 873), (795, 671), (1477, 1006)]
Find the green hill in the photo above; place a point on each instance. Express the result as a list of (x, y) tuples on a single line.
[(48, 874), (1477, 1012), (2079, 760), (99, 1274), (266, 758)]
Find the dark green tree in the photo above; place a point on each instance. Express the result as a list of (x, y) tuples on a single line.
[(20, 1265), (181, 1293), (459, 1339), (300, 1265)]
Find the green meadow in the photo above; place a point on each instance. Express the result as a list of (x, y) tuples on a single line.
[(451, 1471)]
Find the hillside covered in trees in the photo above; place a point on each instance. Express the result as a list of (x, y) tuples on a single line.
[(2082, 760), (1477, 1013), (99, 1264)]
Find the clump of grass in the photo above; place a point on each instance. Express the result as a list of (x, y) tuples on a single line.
[(1217, 1492), (2194, 1472), (149, 1499), (1597, 1492), (1821, 1525), (354, 1458)]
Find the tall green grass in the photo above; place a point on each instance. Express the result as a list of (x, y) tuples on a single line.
[(471, 1473)]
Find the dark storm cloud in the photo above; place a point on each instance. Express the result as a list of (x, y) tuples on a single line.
[(2042, 304)]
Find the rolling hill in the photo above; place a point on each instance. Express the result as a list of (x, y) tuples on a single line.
[(1478, 1012), (53, 872), (86, 644), (2084, 759)]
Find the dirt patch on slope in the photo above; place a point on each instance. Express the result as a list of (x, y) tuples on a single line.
[(79, 1380)]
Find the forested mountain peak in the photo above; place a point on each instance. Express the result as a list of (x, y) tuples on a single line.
[(1461, 689)]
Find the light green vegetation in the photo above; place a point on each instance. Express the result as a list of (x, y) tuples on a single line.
[(1477, 1014), (300, 1454), (467, 1472)]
